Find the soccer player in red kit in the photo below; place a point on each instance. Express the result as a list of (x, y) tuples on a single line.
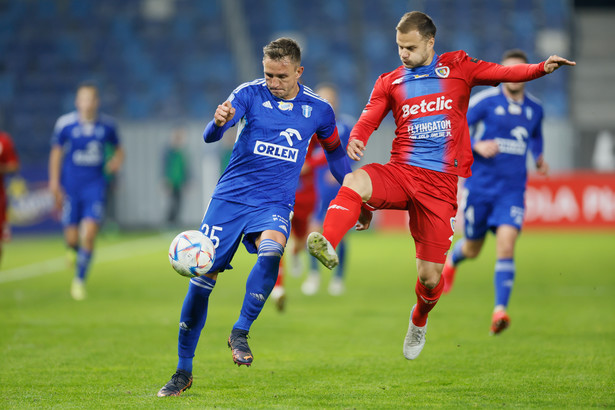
[(9, 163), (428, 96)]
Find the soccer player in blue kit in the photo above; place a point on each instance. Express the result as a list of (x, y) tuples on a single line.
[(77, 175), (494, 194), (253, 200)]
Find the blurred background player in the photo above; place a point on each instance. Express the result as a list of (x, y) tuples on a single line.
[(9, 163), (326, 189), (511, 125), (254, 197), (305, 201), (77, 176), (428, 97), (176, 173)]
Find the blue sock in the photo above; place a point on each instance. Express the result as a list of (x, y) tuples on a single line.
[(83, 263), (503, 280), (260, 282), (457, 256), (341, 254), (192, 319)]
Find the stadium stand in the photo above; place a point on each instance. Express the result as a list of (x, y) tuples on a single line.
[(181, 65)]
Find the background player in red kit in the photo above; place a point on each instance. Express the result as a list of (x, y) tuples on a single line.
[(9, 163), (305, 200), (428, 96)]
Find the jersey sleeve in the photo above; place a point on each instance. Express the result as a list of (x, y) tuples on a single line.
[(377, 108), (113, 138), (476, 111), (58, 137), (334, 151), (479, 72), (536, 139)]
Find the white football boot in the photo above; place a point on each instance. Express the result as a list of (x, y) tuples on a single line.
[(320, 248), (415, 339)]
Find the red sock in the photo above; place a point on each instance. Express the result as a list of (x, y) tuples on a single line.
[(342, 215), (280, 280), (426, 299)]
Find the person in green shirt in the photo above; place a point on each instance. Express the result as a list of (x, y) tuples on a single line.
[(176, 173)]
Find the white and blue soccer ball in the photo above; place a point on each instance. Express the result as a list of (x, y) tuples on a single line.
[(192, 254)]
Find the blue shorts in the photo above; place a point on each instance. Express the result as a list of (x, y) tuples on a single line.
[(226, 223), (482, 213), (87, 203)]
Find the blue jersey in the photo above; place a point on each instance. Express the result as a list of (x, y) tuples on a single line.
[(272, 142), (326, 186), (516, 127), (83, 148)]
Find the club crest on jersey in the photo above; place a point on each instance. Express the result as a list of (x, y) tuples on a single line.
[(285, 106), (443, 72), (306, 110)]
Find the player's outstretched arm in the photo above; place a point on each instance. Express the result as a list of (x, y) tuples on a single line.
[(554, 62)]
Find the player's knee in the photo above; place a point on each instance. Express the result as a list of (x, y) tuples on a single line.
[(270, 248), (359, 182), (471, 253)]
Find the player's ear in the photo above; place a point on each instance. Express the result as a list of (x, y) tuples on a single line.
[(299, 71), (431, 42)]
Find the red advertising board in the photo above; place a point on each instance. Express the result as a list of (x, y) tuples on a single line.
[(579, 200), (567, 200)]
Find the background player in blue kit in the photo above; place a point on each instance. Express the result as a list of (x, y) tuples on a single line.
[(327, 188), (76, 175), (253, 200), (510, 124)]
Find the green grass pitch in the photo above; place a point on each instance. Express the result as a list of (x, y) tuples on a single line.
[(118, 347)]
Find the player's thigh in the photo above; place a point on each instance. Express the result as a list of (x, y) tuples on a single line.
[(432, 225), (508, 209), (273, 217), (94, 199), (388, 188), (224, 223), (72, 210)]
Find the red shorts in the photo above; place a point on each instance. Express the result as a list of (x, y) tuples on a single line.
[(430, 197)]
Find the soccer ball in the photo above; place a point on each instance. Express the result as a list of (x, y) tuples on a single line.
[(192, 254)]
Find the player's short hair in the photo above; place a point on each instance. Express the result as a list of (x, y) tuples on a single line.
[(515, 53), (416, 20), (281, 48), (87, 84)]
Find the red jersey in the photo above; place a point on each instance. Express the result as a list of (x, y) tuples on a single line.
[(429, 104)]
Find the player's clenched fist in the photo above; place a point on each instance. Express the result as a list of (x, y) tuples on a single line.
[(224, 113)]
